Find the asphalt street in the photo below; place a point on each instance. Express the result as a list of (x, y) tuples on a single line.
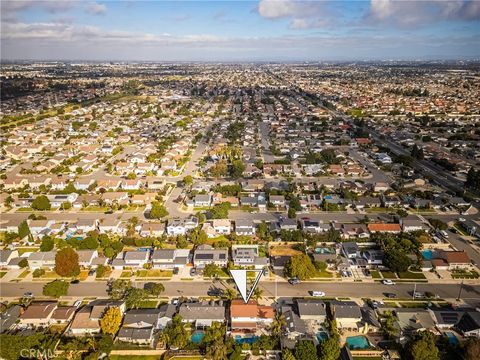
[(470, 293)]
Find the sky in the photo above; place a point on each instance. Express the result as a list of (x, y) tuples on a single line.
[(264, 30)]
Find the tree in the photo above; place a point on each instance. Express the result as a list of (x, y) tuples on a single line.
[(198, 236), (111, 320), (154, 288), (210, 270), (257, 294), (287, 355), (417, 153), (278, 325), (422, 347), (105, 344), (175, 334), (47, 244), (305, 350), (472, 349), (66, 262), (56, 288), (402, 213), (219, 169), (131, 176), (238, 167), (188, 180), (41, 202), (230, 294), (220, 211), (292, 213), (118, 288), (101, 270), (158, 211), (397, 260), (388, 325), (23, 229), (38, 273), (135, 297), (300, 266), (329, 349), (438, 224)]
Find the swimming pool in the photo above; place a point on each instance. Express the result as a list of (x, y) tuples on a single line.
[(322, 335), (324, 250), (427, 254), (245, 340), (452, 339), (197, 337), (357, 342)]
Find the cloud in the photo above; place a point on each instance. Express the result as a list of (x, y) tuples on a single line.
[(274, 9), (95, 8), (416, 13)]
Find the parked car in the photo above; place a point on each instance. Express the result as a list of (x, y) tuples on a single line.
[(318, 293), (175, 271), (28, 294), (387, 282), (294, 281), (75, 281), (418, 295), (215, 292), (193, 272), (390, 295)]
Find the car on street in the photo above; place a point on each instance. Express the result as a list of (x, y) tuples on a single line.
[(294, 281), (390, 295), (193, 272), (75, 281), (215, 292), (318, 293), (387, 282), (28, 294)]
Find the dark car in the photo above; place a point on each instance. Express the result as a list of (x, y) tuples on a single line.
[(294, 281), (175, 271), (215, 292), (390, 295), (76, 281)]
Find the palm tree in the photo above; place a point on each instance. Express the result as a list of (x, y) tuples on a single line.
[(230, 294), (278, 324), (257, 294)]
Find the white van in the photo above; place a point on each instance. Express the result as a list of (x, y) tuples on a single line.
[(318, 293)]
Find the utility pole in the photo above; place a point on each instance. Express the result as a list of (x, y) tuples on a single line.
[(414, 291), (460, 291)]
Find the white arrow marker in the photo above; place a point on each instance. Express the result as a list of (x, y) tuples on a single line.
[(240, 278)]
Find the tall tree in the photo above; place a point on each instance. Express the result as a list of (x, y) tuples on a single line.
[(111, 320), (66, 262)]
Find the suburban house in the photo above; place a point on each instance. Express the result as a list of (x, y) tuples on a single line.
[(409, 225), (451, 260), (202, 314), (175, 227), (154, 229), (6, 256), (41, 259), (37, 314), (247, 255), (347, 314), (312, 311), (87, 319), (86, 257), (314, 226), (384, 228), (295, 326), (244, 227), (202, 200), (247, 318), (169, 259), (221, 226), (205, 254), (469, 324)]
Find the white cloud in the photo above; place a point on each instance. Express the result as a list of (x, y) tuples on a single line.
[(95, 8), (415, 13)]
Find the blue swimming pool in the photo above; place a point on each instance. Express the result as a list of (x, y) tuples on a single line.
[(245, 340), (324, 250), (452, 339), (427, 254), (197, 337), (322, 335), (357, 342)]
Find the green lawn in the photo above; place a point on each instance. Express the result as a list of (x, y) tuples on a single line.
[(148, 304), (411, 275), (24, 274), (465, 275), (375, 274), (23, 250), (154, 273), (127, 274), (389, 275), (95, 208)]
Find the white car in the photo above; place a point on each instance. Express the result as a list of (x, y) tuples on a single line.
[(387, 282), (318, 293)]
